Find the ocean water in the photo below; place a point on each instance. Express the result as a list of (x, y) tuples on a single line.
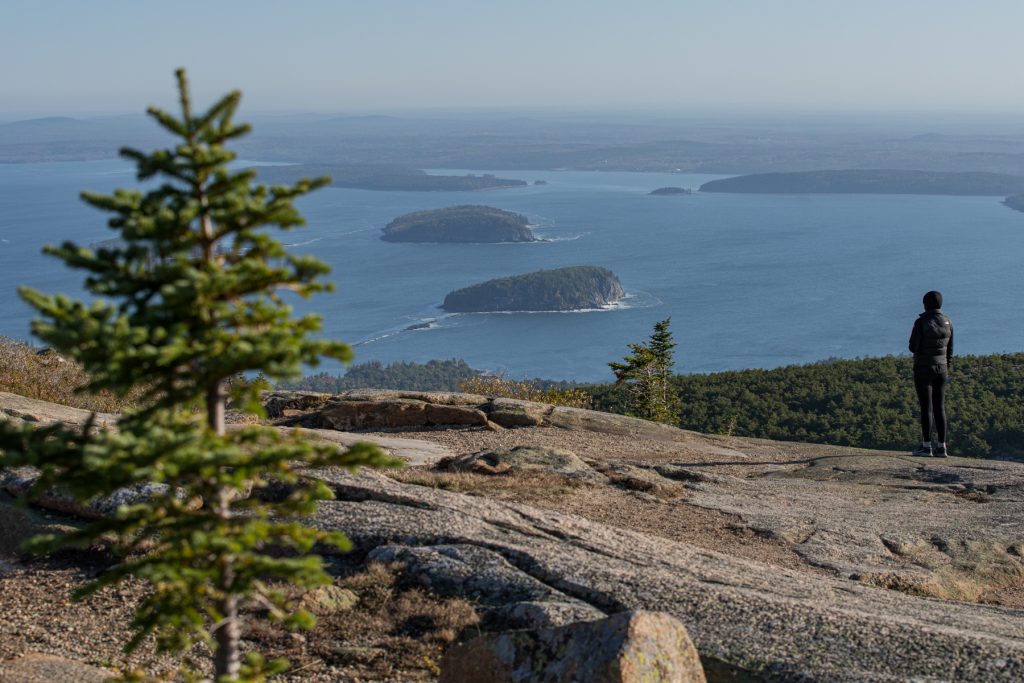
[(749, 280)]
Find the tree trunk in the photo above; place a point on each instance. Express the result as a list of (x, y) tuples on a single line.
[(216, 401), (227, 660)]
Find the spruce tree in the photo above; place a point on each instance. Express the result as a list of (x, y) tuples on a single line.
[(646, 375), (190, 300)]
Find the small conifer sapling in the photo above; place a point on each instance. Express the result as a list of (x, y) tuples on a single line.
[(646, 376), (191, 299)]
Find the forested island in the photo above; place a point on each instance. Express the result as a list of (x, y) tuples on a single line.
[(871, 182), (392, 178), (562, 289), (466, 223), (1015, 201), (669, 191)]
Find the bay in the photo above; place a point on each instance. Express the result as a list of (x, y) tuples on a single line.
[(750, 281)]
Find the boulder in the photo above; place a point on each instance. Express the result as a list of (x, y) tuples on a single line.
[(45, 668), (639, 479), (397, 413), (511, 412), (17, 482), (629, 647), (349, 415), (524, 459), (325, 600), (281, 403), (21, 409)]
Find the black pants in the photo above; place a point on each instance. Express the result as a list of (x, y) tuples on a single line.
[(930, 382)]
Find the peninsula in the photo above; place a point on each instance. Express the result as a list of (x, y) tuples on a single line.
[(1015, 201), (393, 178), (871, 182), (562, 289), (466, 223)]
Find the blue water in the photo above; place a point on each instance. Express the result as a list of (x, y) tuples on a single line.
[(749, 280)]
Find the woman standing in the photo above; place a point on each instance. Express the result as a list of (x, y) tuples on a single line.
[(931, 342)]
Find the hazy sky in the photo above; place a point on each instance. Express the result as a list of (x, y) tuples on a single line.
[(79, 56)]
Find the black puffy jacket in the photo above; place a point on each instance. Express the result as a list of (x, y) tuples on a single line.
[(931, 340)]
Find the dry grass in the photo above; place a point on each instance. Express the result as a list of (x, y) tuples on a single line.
[(501, 387), (395, 632), (49, 377)]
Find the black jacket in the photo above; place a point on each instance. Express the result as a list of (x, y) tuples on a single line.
[(931, 340)]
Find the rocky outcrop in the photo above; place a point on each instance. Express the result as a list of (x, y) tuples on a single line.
[(374, 409), (19, 481), (28, 410), (398, 414), (669, 191), (44, 668), (770, 623), (524, 459), (564, 289), (630, 647)]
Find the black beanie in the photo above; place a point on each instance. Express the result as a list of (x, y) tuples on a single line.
[(932, 300)]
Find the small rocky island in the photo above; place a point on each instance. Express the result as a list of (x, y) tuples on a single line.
[(468, 223), (563, 289), (668, 191)]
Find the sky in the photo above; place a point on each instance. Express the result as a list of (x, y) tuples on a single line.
[(73, 57)]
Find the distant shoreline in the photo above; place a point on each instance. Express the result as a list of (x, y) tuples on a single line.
[(965, 184)]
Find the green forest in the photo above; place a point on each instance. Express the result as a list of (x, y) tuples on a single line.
[(435, 375), (867, 402)]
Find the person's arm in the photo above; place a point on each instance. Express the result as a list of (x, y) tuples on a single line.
[(949, 348), (915, 336)]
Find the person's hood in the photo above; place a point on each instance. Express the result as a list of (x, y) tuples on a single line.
[(932, 300)]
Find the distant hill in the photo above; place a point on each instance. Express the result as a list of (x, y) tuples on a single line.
[(563, 289), (1015, 201), (670, 191), (392, 178), (466, 223), (871, 182)]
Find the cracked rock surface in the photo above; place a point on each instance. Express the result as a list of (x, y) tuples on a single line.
[(951, 528), (769, 622)]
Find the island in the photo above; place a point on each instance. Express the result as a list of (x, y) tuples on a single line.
[(392, 178), (563, 289), (668, 191), (871, 182), (1015, 201), (466, 223)]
